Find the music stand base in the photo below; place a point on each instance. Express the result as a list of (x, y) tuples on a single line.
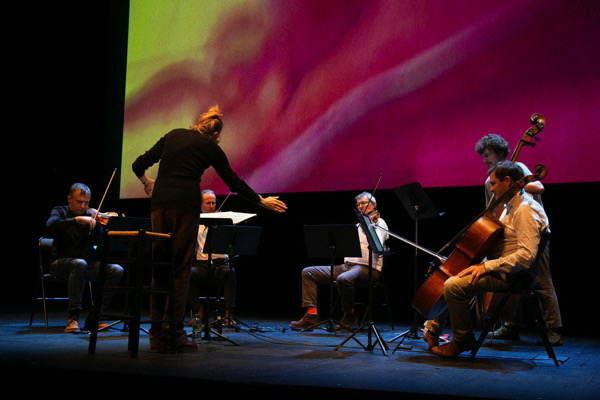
[(371, 331), (207, 333)]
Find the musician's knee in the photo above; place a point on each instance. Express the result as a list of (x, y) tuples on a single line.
[(452, 286)]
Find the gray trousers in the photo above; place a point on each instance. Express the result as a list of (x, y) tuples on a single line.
[(344, 276), (546, 293)]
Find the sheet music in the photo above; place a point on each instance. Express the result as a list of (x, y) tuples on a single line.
[(236, 217)]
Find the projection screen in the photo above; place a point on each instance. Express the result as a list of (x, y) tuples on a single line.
[(322, 95)]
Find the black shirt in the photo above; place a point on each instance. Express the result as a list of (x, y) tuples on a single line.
[(184, 155), (71, 240)]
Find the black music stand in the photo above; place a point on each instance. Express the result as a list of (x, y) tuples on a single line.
[(375, 247), (333, 242), (418, 206), (126, 224), (234, 240)]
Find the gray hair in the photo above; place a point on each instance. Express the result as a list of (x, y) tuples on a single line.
[(368, 196), (79, 187)]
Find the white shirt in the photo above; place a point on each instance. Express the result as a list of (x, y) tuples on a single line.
[(524, 222), (377, 262), (200, 255)]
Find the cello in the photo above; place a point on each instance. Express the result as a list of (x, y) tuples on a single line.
[(473, 243)]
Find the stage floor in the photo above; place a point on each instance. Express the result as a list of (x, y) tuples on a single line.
[(267, 357)]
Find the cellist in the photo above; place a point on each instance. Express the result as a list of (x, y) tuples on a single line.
[(512, 257), (493, 148)]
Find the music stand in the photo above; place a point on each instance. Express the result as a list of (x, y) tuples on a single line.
[(375, 247), (418, 206), (333, 242), (232, 240), (125, 224)]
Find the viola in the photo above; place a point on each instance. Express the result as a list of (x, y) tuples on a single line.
[(473, 243)]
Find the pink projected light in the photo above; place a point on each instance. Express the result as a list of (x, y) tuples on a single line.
[(338, 93)]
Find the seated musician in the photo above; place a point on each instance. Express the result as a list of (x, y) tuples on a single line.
[(76, 232), (512, 257), (222, 273), (345, 274)]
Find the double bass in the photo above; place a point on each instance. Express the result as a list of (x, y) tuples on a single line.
[(473, 243)]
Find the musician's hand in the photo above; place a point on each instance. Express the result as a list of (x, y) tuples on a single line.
[(86, 220), (273, 203), (149, 187), (475, 271)]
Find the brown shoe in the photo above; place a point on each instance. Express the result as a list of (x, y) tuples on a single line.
[(307, 321), (452, 349), (184, 344), (431, 339), (72, 325), (348, 321)]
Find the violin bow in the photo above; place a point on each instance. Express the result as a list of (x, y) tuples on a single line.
[(221, 206), (374, 190), (105, 191)]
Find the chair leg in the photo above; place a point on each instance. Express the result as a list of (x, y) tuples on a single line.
[(534, 306), (34, 301), (94, 317), (389, 307), (489, 324)]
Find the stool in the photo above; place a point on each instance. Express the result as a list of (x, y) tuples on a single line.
[(134, 287), (530, 299)]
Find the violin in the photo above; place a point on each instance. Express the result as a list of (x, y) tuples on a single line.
[(373, 216), (102, 218)]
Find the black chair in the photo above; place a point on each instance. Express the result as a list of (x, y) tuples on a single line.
[(136, 259), (379, 286), (45, 278), (521, 286)]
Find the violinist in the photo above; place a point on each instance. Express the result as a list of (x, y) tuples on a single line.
[(493, 148), (346, 274), (76, 231), (222, 273), (512, 257)]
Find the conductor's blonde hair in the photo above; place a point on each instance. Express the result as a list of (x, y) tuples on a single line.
[(210, 123)]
